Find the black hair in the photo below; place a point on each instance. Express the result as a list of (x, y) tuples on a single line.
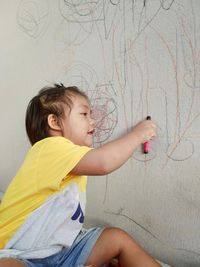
[(49, 100)]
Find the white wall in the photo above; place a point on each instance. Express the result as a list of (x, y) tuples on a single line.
[(133, 58)]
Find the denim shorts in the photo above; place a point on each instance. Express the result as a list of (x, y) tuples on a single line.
[(74, 256)]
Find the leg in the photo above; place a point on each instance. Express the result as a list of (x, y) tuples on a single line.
[(11, 263), (114, 242)]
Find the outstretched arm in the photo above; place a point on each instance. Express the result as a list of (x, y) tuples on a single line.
[(111, 156)]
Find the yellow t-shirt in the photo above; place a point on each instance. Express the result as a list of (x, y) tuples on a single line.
[(45, 171)]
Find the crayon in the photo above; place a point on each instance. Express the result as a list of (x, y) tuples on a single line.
[(146, 144)]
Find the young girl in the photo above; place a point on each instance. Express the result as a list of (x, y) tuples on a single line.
[(42, 211)]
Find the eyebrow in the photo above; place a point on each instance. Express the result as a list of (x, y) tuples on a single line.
[(85, 106)]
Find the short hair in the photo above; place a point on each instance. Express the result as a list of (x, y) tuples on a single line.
[(49, 100)]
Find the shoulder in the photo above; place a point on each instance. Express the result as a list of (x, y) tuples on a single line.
[(53, 140), (52, 143), (58, 145)]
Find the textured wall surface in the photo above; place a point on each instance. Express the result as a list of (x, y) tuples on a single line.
[(133, 58)]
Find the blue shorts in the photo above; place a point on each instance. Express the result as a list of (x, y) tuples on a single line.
[(74, 256)]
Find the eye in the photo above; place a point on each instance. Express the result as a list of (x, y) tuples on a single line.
[(84, 113)]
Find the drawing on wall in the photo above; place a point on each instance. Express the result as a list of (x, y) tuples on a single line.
[(104, 111), (81, 11), (130, 27), (33, 17)]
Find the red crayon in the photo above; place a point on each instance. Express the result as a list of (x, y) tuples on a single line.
[(146, 144)]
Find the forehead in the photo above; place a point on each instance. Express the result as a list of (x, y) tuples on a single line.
[(80, 101)]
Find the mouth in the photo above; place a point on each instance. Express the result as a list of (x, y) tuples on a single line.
[(91, 132)]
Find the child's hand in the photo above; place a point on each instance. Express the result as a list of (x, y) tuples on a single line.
[(145, 130)]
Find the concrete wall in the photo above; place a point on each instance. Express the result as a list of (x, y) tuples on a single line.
[(133, 58)]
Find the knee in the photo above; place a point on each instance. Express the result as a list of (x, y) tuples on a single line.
[(118, 235)]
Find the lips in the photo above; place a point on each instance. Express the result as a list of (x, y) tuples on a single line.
[(91, 132)]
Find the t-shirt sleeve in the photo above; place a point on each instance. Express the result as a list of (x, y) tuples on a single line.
[(57, 157)]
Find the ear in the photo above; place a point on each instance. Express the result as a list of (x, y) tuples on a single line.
[(53, 122)]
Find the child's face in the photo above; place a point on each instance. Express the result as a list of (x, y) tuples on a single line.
[(78, 126)]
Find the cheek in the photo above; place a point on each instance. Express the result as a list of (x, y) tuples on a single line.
[(66, 129)]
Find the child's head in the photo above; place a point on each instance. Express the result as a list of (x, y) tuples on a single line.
[(60, 111)]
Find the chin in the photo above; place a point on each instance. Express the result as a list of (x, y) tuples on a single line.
[(89, 141), (88, 144)]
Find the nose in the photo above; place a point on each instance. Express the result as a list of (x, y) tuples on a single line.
[(92, 122)]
